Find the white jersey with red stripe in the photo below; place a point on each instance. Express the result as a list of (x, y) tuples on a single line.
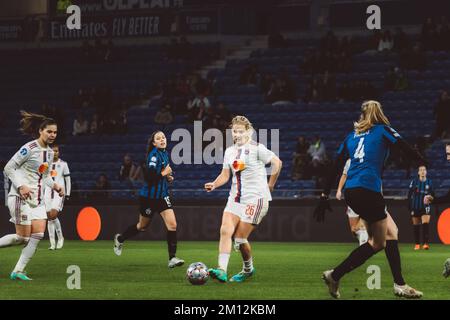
[(33, 164), (60, 170), (247, 164)]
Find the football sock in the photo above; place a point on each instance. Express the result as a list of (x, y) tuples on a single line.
[(58, 228), (416, 228), (393, 256), (426, 232), (130, 232), (51, 232), (223, 261), (28, 251), (172, 243), (11, 240), (248, 265), (362, 236), (356, 258)]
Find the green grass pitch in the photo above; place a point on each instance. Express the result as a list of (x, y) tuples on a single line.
[(283, 271)]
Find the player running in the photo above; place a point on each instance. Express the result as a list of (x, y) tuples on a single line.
[(53, 202), (249, 197), (428, 199), (356, 225), (29, 171), (420, 213), (154, 198), (368, 146)]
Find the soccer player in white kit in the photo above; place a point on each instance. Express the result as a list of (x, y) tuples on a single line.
[(29, 173), (60, 173), (249, 197), (356, 226)]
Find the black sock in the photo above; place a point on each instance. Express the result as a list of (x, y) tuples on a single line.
[(130, 232), (416, 228), (393, 256), (353, 261), (172, 243), (426, 232)]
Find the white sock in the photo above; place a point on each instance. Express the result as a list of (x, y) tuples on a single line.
[(28, 251), (11, 240), (58, 228), (248, 265), (223, 261), (51, 232), (362, 236)]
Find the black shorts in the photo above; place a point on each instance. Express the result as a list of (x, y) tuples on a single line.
[(420, 212), (368, 204), (148, 207)]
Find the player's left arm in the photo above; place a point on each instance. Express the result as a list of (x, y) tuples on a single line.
[(48, 181), (67, 180), (397, 141), (275, 164), (267, 156)]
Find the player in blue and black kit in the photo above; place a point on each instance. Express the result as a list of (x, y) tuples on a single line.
[(154, 198), (420, 212), (368, 147)]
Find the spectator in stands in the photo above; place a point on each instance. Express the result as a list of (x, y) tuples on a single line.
[(386, 42), (414, 59), (301, 160), (138, 175), (428, 34), (442, 115), (328, 87), (282, 90), (390, 79), (223, 116), (200, 100), (401, 82), (94, 126), (127, 169), (329, 42), (80, 125), (401, 41), (250, 75), (81, 99), (444, 35), (317, 152), (164, 115), (102, 187)]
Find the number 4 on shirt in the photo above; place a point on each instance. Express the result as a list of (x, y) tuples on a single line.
[(359, 153)]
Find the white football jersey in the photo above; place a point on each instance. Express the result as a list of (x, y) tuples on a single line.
[(59, 171), (250, 184), (33, 168)]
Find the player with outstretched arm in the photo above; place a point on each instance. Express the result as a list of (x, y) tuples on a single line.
[(249, 197)]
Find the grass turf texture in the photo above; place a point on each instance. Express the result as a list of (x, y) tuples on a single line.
[(284, 271)]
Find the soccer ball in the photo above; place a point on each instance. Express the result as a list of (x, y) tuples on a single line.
[(197, 273)]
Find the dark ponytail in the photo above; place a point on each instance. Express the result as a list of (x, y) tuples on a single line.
[(31, 123), (150, 141)]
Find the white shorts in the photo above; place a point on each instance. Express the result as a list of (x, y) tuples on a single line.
[(21, 212), (249, 213), (351, 213), (53, 201)]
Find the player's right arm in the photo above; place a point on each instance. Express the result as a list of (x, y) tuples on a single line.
[(221, 179), (340, 186), (224, 175), (14, 175)]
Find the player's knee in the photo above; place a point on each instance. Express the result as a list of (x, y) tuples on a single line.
[(378, 245), (172, 226), (37, 235), (238, 242), (226, 231), (21, 240), (140, 227)]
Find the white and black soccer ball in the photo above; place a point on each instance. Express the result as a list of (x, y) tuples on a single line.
[(197, 273)]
